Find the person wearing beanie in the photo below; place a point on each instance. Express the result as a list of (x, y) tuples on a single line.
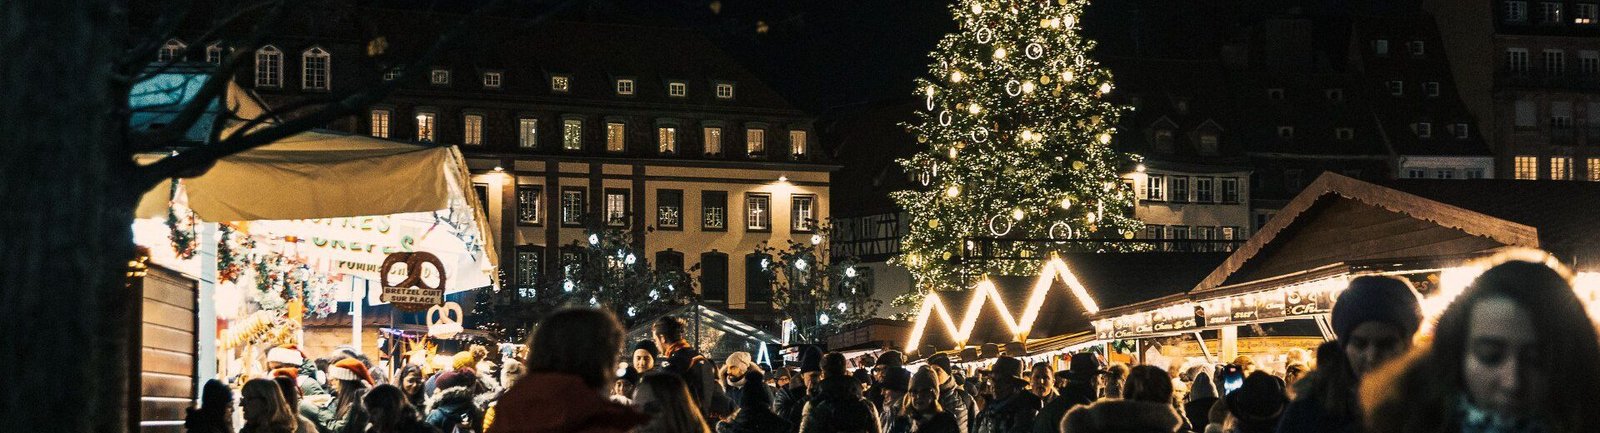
[(836, 404), (1374, 320), (953, 397), (1258, 404), (644, 356), (350, 383), (893, 383), (792, 400), (755, 413), (732, 375), (1202, 395), (1013, 408), (453, 404)]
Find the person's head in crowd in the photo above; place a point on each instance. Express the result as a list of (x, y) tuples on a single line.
[(666, 399), (667, 331), (285, 356), (411, 383), (265, 409), (810, 366), (782, 376), (753, 394), (737, 365), (1115, 375), (216, 409), (1259, 403), (463, 360), (623, 387), (479, 353), (922, 398), (1374, 319), (350, 380), (459, 378), (1148, 383), (1246, 363), (510, 373), (581, 342), (1041, 381), (1202, 387), (291, 390), (644, 356), (833, 366), (1007, 377), (1515, 348), (1293, 372), (387, 408)]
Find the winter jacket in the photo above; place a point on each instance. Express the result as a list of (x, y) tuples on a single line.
[(1049, 418), (354, 421), (754, 421), (545, 402), (1122, 416), (1012, 415), (942, 422), (956, 402), (696, 372), (838, 407), (790, 405), (448, 409), (1198, 412)]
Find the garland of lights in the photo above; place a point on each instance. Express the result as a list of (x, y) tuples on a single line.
[(985, 293), (181, 222)]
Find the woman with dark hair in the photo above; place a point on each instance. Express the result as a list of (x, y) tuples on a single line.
[(1258, 404), (1202, 395), (215, 414), (665, 398), (389, 412), (291, 395), (1516, 352), (1374, 320), (265, 410), (922, 412), (410, 384), (350, 382), (571, 364), (755, 413)]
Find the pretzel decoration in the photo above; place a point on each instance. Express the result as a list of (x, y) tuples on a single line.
[(414, 264)]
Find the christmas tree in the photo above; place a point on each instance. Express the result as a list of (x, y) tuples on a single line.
[(1018, 128)]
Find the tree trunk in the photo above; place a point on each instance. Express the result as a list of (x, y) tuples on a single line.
[(65, 213)]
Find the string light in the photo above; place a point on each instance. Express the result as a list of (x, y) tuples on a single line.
[(1000, 53), (952, 191), (986, 293), (955, 76)]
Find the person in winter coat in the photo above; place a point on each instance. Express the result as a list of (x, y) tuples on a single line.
[(683, 360), (291, 395), (1258, 404), (215, 414), (1152, 384), (571, 363), (922, 412), (390, 412), (893, 382), (265, 410), (953, 397), (1374, 319), (410, 384), (1122, 416), (1515, 352), (791, 401), (452, 408), (732, 374), (350, 383), (1082, 388), (755, 413), (664, 397), (1202, 395), (837, 405), (1013, 408)]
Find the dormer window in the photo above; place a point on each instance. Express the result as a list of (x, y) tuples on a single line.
[(1344, 134), (214, 54), (560, 83), (1334, 95), (269, 67), (491, 80), (171, 51), (1418, 48), (1163, 140), (440, 77), (1461, 131), (1397, 88), (1431, 88), (724, 91), (316, 64), (1380, 47), (1208, 143), (1423, 129), (677, 89), (393, 73), (1285, 132), (625, 86), (1275, 94)]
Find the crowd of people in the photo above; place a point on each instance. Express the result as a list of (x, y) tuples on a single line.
[(1516, 352)]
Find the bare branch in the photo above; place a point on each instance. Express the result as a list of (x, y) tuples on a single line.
[(198, 47)]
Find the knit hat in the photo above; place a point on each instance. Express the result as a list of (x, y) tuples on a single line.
[(648, 346), (892, 358), (350, 369), (455, 378), (1202, 387), (754, 393), (810, 359), (286, 354), (740, 358), (462, 359), (1381, 299)]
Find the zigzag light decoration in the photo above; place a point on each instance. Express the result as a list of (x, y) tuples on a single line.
[(985, 291)]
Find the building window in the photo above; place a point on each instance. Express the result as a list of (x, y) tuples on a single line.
[(560, 83), (171, 51), (1155, 187), (1444, 173), (714, 210), (315, 62), (714, 277), (1527, 168), (1561, 115), (724, 91), (758, 212), (425, 126), (669, 209), (1423, 129), (1163, 140), (214, 54), (1180, 189), (1517, 60), (757, 278), (1516, 11), (440, 77), (1473, 173), (1208, 143), (1589, 62), (491, 80), (802, 213), (1550, 12), (572, 134), (1461, 131), (1555, 62), (392, 73), (1230, 190), (528, 133), (530, 203), (380, 123), (1418, 48), (529, 258), (1380, 47), (1527, 115), (755, 141), (617, 207), (1285, 132), (1584, 14), (616, 136), (713, 137), (269, 67), (625, 87), (1155, 231), (1275, 94), (1416, 173), (1203, 189), (572, 206), (797, 144), (1560, 168), (1397, 88), (1431, 88), (1593, 167), (667, 139), (472, 125), (677, 89), (1345, 134)]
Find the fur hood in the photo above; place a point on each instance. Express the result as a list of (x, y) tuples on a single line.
[(453, 396), (1122, 416)]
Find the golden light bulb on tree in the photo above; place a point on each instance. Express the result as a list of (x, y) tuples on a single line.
[(952, 191), (1017, 214), (1027, 86), (1000, 53), (974, 108)]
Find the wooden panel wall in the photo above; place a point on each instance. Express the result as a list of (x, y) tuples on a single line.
[(167, 351), (1347, 230)]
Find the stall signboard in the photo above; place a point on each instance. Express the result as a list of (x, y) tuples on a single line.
[(1270, 304), (1243, 307), (1216, 311), (1307, 299), (1174, 318), (414, 292)]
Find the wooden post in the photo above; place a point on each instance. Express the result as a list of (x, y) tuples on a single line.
[(1229, 342)]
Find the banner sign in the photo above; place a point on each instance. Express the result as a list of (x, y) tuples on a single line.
[(414, 293)]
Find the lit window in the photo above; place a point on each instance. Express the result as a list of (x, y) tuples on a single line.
[(616, 135), (1555, 62), (171, 51), (530, 201), (1344, 133), (677, 89), (1418, 48), (669, 208), (714, 210), (392, 73), (667, 138), (1550, 12), (758, 214), (1397, 88), (616, 207), (1516, 11), (473, 124), (572, 206), (528, 133), (713, 137), (724, 91), (755, 141), (1585, 14), (1423, 129), (1431, 88), (1380, 47), (1560, 168), (797, 143), (269, 67), (1517, 60), (1527, 168), (380, 123), (803, 213), (1285, 132), (1155, 187), (425, 126), (560, 83), (492, 80), (572, 134), (624, 87), (440, 77), (214, 54), (528, 265), (1594, 169)]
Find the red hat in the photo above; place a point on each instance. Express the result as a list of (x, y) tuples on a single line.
[(350, 369)]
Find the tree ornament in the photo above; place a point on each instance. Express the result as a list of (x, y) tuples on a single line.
[(973, 108), (952, 191), (945, 118), (1072, 20), (1066, 203), (1034, 51), (1067, 75), (984, 35), (1105, 88), (947, 255), (1027, 87), (1017, 214), (1126, 234), (977, 8), (1078, 165), (955, 76), (1044, 79), (952, 154), (1013, 88), (995, 225), (930, 101), (1105, 138), (1060, 230), (1000, 53), (980, 135), (1027, 135), (933, 223)]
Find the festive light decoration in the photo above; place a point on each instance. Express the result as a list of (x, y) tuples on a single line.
[(985, 293)]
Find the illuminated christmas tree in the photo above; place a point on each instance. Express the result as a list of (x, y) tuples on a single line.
[(1018, 128)]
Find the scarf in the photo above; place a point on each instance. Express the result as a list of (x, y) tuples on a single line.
[(1475, 419)]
